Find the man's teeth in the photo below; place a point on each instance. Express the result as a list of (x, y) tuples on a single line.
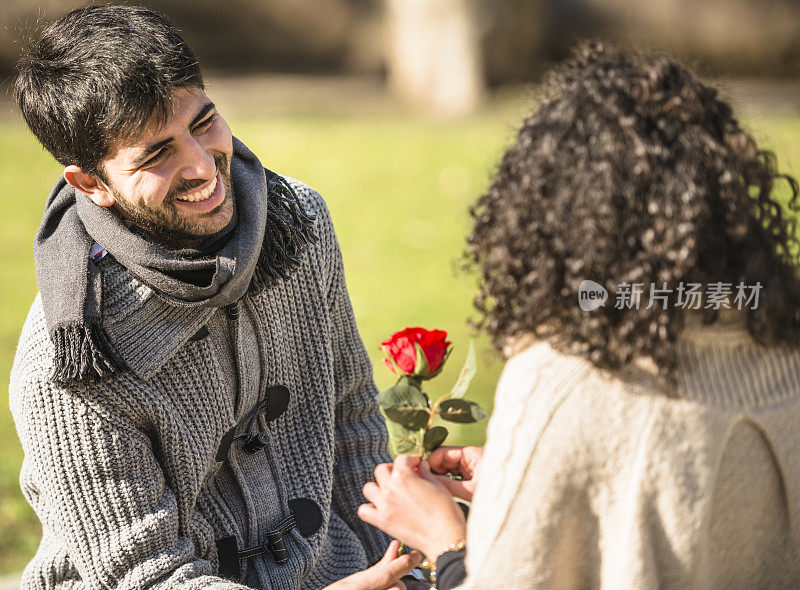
[(200, 195)]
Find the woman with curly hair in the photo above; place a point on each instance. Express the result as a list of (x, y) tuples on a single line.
[(653, 440)]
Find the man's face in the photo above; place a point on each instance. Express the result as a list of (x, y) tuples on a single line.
[(174, 180)]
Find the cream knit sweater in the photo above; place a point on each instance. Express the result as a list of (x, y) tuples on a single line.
[(598, 480)]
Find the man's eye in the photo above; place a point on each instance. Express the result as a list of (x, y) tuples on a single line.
[(204, 124), (156, 157)]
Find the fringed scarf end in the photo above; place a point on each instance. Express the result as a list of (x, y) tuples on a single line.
[(83, 352), (289, 232)]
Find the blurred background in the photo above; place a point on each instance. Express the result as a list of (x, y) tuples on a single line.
[(396, 111)]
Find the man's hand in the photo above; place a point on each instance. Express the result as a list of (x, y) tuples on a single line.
[(384, 575), (408, 502), (462, 461)]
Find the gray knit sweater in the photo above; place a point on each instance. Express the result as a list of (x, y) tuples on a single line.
[(124, 474)]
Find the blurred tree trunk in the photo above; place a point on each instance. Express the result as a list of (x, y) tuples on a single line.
[(434, 55)]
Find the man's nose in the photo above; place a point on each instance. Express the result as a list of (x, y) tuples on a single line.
[(199, 163)]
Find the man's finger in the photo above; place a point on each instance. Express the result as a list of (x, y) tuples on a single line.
[(402, 565), (391, 567), (391, 551)]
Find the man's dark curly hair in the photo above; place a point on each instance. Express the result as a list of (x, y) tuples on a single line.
[(631, 171)]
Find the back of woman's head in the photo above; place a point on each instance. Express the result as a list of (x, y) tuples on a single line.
[(635, 173)]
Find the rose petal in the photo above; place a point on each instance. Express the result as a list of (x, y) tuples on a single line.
[(405, 355)]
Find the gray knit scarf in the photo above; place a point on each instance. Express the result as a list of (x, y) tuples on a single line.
[(271, 233)]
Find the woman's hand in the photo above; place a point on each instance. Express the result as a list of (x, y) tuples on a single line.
[(409, 503), (384, 575), (461, 461)]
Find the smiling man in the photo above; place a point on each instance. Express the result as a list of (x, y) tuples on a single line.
[(194, 401)]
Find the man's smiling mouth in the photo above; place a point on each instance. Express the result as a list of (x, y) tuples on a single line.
[(200, 195)]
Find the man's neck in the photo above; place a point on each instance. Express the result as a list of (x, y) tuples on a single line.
[(202, 245)]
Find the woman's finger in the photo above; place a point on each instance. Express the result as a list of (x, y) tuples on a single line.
[(371, 491), (383, 472), (369, 514), (425, 471), (446, 460), (405, 464), (456, 487), (437, 480)]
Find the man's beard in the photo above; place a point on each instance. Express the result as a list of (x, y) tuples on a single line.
[(165, 224)]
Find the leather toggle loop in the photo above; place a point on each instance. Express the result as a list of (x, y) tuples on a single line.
[(230, 556), (274, 404), (306, 516), (233, 310), (225, 444)]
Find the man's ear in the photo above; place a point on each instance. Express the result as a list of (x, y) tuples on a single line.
[(96, 190)]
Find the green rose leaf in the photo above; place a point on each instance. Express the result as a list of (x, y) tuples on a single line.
[(461, 411), (406, 393), (405, 403), (467, 373), (411, 418), (434, 438), (403, 446), (402, 440)]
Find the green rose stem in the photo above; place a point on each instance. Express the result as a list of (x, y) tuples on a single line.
[(424, 453)]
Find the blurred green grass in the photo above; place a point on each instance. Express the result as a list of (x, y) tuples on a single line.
[(399, 191)]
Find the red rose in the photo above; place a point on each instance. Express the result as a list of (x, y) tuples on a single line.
[(400, 348)]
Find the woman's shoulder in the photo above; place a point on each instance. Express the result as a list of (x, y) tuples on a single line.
[(567, 397), (537, 376), (536, 369), (534, 361)]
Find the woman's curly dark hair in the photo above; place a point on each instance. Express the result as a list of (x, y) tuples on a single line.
[(632, 171)]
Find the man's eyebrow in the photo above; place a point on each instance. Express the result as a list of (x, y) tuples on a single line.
[(159, 144), (203, 112), (149, 150)]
